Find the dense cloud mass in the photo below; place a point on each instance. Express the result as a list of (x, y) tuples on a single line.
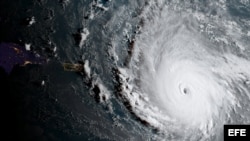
[(188, 74)]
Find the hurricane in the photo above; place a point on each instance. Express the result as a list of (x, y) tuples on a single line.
[(187, 73)]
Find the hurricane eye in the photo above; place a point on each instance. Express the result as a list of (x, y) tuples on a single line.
[(185, 91)]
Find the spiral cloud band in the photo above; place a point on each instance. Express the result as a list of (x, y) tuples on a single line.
[(180, 80)]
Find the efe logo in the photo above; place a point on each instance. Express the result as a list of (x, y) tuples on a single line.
[(236, 132)]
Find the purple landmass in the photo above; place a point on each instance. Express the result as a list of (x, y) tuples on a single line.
[(12, 54)]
